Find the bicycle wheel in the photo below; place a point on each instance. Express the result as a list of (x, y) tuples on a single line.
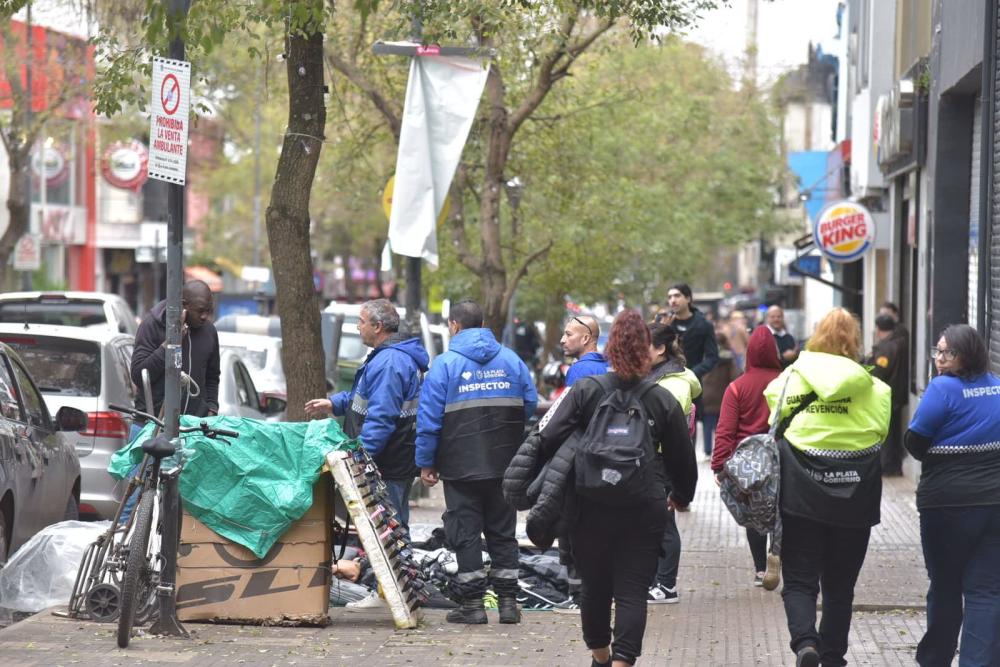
[(137, 567)]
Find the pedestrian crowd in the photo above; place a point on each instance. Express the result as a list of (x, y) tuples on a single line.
[(613, 459)]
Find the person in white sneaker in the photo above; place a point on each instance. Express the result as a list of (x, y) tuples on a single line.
[(616, 540)]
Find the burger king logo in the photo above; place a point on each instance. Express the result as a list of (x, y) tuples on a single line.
[(844, 231), (125, 165)]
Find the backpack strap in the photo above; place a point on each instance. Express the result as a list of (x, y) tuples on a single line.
[(604, 382), (786, 422), (642, 388)]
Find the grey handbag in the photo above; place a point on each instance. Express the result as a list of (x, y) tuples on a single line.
[(750, 483)]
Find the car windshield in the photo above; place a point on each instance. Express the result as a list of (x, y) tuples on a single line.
[(351, 346), (68, 313), (255, 359), (60, 365)]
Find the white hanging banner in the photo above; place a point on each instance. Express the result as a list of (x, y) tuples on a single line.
[(442, 96)]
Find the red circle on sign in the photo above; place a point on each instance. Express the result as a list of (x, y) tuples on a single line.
[(170, 94)]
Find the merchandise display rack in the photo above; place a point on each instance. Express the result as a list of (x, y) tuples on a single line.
[(381, 534)]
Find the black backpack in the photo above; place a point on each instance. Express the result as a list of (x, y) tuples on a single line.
[(615, 459)]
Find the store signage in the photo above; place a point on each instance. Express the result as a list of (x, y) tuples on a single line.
[(28, 253), (168, 123), (124, 165), (844, 231), (50, 160), (60, 224), (893, 125)]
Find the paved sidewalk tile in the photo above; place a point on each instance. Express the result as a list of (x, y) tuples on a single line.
[(721, 618)]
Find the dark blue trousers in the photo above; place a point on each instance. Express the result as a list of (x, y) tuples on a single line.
[(962, 555)]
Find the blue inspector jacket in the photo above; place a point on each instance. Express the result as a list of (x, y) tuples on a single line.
[(473, 407)]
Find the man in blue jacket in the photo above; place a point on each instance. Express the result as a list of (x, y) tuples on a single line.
[(473, 408), (579, 340), (381, 406)]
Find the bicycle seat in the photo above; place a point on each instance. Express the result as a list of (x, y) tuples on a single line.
[(159, 447)]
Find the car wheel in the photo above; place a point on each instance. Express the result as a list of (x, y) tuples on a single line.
[(72, 512)]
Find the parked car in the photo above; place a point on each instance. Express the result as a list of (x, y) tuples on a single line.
[(238, 397), (262, 356), (87, 369), (39, 469), (75, 309)]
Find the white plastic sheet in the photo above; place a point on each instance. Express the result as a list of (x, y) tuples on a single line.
[(442, 96), (42, 572)]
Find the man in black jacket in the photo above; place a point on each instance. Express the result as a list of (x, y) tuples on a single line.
[(701, 351), (697, 333), (199, 351), (890, 361)]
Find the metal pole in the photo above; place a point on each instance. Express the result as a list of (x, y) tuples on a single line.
[(413, 264), (987, 166), (256, 174), (156, 267), (167, 623), (28, 113)]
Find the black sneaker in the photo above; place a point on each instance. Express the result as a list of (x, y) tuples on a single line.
[(807, 656), (660, 594), (570, 605)]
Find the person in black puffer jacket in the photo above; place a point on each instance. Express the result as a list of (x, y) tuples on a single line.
[(614, 547), (544, 487)]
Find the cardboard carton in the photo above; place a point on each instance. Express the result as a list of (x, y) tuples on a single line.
[(219, 580)]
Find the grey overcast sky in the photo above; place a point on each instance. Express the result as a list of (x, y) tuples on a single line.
[(785, 28)]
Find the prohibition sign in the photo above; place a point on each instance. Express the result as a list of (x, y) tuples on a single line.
[(170, 94)]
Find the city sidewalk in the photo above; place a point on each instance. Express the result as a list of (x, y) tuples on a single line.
[(721, 618)]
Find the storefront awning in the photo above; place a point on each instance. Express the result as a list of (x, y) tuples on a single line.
[(210, 277)]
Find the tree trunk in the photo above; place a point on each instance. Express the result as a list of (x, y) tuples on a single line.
[(493, 278), (493, 284), (19, 210), (288, 221)]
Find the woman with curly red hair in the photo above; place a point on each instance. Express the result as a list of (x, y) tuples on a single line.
[(616, 546)]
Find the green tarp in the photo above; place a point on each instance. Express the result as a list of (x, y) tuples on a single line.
[(252, 488)]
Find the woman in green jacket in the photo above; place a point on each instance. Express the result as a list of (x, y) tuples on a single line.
[(834, 419), (669, 372)]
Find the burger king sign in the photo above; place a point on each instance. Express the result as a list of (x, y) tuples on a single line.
[(844, 231)]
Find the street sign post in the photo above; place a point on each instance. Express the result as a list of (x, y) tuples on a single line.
[(28, 253), (171, 90)]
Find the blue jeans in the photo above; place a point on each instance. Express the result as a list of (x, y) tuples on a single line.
[(962, 553), (399, 495), (709, 422)]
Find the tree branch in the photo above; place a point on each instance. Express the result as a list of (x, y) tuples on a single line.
[(607, 102), (360, 39), (543, 83), (581, 45), (548, 74), (456, 222), (523, 269), (375, 96)]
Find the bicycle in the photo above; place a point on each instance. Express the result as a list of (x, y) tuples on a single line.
[(142, 553)]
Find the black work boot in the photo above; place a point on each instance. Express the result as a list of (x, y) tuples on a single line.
[(472, 612), (510, 612)]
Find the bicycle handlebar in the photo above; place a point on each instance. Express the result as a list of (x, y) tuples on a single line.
[(136, 413), (203, 426)]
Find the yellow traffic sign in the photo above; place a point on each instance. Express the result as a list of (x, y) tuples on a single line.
[(387, 202)]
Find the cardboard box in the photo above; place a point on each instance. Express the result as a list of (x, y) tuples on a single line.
[(219, 580)]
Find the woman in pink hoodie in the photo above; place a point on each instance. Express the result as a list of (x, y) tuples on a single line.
[(745, 412)]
